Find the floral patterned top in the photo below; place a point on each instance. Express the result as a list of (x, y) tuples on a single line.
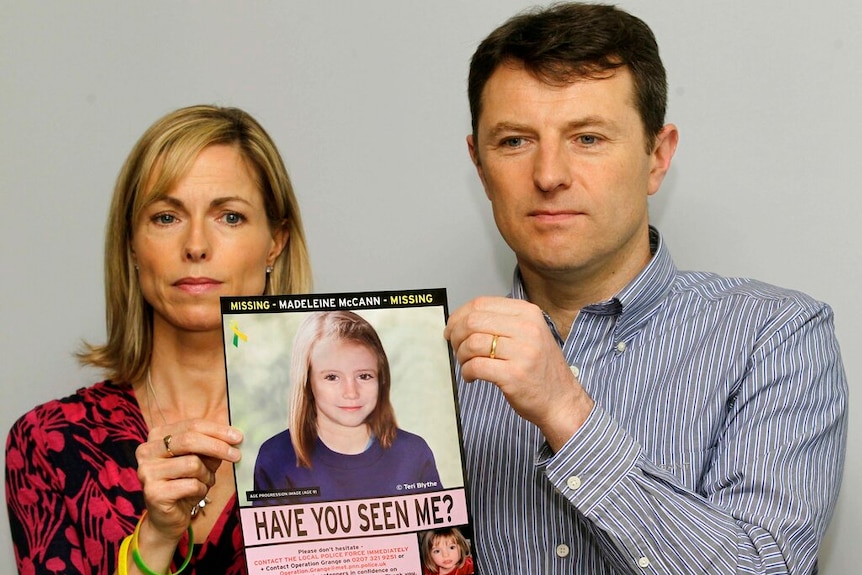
[(73, 493)]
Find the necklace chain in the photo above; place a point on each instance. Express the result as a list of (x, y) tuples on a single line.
[(151, 390)]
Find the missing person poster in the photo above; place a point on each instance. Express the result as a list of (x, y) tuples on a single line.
[(351, 458)]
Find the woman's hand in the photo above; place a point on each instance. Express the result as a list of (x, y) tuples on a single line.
[(177, 467)]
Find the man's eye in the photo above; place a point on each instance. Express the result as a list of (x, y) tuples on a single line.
[(513, 142), (588, 139)]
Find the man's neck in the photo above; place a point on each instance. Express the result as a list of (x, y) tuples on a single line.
[(563, 294)]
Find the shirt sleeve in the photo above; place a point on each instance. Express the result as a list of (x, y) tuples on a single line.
[(43, 532), (765, 496)]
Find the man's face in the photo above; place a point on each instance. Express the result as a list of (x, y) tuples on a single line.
[(568, 174)]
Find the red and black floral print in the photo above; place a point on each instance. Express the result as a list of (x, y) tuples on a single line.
[(73, 493)]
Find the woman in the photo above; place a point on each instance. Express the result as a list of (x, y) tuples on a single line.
[(343, 441), (203, 208)]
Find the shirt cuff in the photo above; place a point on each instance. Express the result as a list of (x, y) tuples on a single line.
[(592, 462)]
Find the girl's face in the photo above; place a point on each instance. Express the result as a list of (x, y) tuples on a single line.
[(344, 381), (445, 553)]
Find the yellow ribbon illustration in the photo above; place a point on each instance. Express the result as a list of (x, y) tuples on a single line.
[(237, 334)]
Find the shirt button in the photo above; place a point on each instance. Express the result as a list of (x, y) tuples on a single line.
[(562, 550), (643, 562), (621, 346), (573, 482), (575, 371)]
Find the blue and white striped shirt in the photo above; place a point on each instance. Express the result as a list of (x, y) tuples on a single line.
[(716, 444)]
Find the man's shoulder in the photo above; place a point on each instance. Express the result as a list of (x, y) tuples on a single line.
[(713, 286)]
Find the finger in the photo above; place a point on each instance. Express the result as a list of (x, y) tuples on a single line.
[(481, 345), (226, 433), (486, 369), (199, 437), (491, 315), (465, 316)]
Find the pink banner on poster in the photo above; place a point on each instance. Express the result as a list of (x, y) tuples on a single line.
[(355, 518), (392, 554)]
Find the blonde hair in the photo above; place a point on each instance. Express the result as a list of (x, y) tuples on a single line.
[(341, 326), (160, 158), (430, 537)]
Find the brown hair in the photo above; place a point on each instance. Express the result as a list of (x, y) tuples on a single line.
[(567, 42), (341, 326), (160, 158)]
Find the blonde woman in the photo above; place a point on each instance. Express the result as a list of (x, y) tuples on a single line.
[(133, 474)]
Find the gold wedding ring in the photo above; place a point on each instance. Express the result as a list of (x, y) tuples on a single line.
[(493, 353), (167, 440)]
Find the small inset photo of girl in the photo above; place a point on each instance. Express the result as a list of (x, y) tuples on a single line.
[(445, 551)]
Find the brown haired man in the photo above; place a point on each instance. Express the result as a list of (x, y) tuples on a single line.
[(621, 416)]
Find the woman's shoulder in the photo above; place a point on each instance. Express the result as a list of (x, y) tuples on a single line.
[(97, 409), (104, 396)]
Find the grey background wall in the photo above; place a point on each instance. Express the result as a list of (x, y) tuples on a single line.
[(367, 102)]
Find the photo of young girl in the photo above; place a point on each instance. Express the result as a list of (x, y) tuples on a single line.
[(445, 552), (342, 441)]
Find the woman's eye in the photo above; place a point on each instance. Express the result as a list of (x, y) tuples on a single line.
[(233, 218), (164, 219), (366, 376), (330, 377)]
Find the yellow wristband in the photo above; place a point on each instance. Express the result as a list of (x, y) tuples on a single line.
[(139, 561), (123, 559)]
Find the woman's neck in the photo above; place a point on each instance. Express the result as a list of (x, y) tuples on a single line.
[(186, 376)]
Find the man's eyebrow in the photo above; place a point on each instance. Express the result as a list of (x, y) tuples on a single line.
[(590, 122), (578, 124), (507, 127)]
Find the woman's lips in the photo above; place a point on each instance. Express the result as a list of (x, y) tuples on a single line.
[(197, 285)]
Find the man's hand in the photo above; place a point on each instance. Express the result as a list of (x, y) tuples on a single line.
[(528, 365)]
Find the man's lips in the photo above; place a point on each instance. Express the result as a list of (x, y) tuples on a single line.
[(552, 216)]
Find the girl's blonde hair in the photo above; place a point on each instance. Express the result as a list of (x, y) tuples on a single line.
[(341, 326)]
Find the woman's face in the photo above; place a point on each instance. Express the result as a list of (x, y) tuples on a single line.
[(445, 553), (344, 382), (207, 237)]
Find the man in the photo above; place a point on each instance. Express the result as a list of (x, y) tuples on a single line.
[(620, 416)]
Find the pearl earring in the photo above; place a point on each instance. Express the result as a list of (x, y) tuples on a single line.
[(268, 269)]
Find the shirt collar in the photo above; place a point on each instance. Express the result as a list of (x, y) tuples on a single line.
[(638, 300)]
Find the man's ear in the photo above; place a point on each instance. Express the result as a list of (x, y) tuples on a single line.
[(662, 153), (474, 157)]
